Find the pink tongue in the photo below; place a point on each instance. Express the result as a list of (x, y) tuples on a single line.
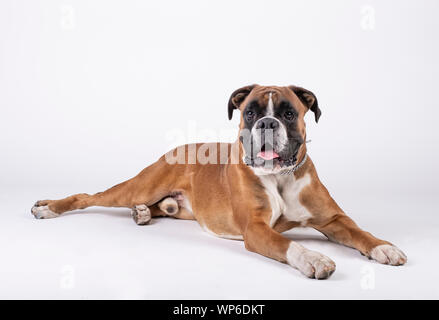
[(268, 155)]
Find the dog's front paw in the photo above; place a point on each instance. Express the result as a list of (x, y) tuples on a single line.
[(312, 264), (141, 214), (388, 254), (41, 210)]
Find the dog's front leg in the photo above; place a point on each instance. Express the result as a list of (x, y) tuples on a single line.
[(259, 237), (342, 229)]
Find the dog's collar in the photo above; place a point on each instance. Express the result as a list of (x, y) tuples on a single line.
[(296, 167)]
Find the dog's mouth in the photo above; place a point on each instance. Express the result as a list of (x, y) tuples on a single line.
[(270, 159), (267, 153)]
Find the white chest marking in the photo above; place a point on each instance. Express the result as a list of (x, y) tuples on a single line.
[(283, 193)]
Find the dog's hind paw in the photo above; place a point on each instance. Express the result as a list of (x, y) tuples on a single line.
[(141, 214)]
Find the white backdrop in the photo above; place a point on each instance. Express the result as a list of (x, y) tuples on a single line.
[(93, 91)]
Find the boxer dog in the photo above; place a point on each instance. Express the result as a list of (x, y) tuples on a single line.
[(251, 190)]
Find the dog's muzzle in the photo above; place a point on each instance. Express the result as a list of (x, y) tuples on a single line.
[(268, 146)]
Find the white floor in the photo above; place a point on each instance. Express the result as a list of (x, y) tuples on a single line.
[(101, 253)]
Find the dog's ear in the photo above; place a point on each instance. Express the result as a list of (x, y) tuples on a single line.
[(238, 97), (308, 99)]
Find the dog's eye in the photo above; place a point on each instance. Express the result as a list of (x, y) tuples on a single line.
[(250, 114), (289, 115)]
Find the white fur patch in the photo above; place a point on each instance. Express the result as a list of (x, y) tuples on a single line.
[(277, 203), (295, 211), (270, 106), (43, 212), (388, 254), (283, 192), (312, 264)]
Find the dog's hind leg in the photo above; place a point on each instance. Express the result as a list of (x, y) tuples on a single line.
[(116, 196), (147, 188)]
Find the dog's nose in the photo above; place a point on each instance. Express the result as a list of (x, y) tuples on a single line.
[(267, 123)]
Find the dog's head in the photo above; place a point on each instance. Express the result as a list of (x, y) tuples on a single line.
[(272, 128)]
